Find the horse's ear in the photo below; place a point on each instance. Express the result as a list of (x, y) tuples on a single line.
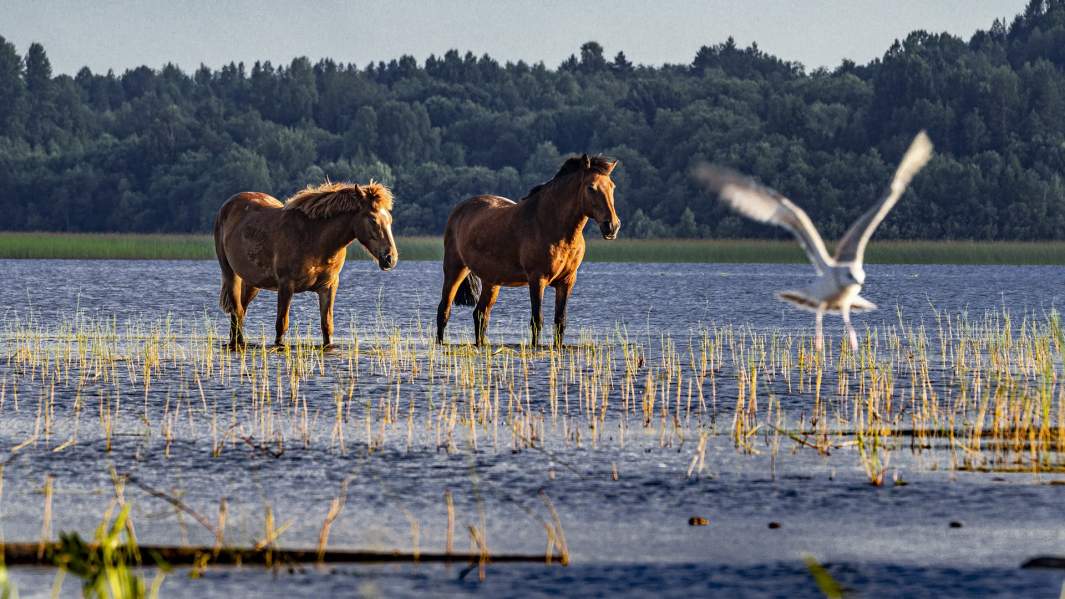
[(586, 162), (610, 167)]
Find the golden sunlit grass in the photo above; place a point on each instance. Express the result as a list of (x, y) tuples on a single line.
[(986, 391)]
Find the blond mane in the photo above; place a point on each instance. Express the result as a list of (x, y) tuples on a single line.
[(330, 199)]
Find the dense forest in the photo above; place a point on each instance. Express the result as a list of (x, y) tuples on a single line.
[(160, 150)]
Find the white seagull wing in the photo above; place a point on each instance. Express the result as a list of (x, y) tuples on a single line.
[(851, 247), (766, 205)]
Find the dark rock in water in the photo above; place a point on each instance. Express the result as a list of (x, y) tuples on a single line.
[(697, 521), (1045, 561), (955, 524), (774, 524)]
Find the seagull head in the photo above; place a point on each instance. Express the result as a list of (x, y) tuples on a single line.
[(851, 274)]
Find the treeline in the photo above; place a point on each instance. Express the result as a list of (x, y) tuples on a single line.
[(159, 150)]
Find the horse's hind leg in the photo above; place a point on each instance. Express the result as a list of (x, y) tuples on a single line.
[(483, 311), (231, 304), (236, 320), (454, 274)]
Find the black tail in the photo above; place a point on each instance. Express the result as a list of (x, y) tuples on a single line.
[(469, 291), (226, 299)]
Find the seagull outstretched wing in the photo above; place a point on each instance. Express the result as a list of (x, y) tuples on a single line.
[(766, 205), (851, 247)]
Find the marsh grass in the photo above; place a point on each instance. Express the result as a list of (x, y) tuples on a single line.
[(986, 391), (107, 566), (116, 246), (200, 247), (134, 246), (967, 394), (778, 251)]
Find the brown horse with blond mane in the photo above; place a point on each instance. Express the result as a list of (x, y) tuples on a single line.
[(537, 242), (297, 246)]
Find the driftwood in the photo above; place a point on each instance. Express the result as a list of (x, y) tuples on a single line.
[(30, 554), (1045, 561)]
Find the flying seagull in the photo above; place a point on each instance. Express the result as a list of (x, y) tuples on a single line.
[(840, 277)]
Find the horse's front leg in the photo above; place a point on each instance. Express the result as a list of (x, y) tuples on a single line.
[(536, 298), (561, 296), (326, 297), (284, 301)]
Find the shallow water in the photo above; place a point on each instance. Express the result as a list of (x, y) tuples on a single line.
[(663, 298), (626, 536)]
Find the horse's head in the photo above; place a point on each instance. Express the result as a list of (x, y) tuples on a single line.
[(597, 196), (373, 224)]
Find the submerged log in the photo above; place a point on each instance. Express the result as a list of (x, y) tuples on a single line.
[(33, 554), (1045, 561)]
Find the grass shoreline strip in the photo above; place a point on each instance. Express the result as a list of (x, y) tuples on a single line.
[(136, 246)]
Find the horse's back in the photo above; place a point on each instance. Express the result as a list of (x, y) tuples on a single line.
[(477, 206), (249, 201), (479, 215), (245, 206)]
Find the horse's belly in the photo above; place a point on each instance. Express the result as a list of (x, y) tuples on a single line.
[(490, 269), (256, 269), (505, 279)]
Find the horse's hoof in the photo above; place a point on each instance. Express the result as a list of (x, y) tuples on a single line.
[(328, 346)]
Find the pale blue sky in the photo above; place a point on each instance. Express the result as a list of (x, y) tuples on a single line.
[(121, 34)]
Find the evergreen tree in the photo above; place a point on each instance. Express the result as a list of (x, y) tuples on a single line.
[(160, 150)]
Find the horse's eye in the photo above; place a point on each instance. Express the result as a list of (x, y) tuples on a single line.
[(591, 188)]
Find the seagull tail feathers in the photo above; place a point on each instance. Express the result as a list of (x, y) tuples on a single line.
[(799, 299), (860, 304), (805, 301)]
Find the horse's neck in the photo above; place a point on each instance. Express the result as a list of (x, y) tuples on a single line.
[(559, 211), (334, 234)]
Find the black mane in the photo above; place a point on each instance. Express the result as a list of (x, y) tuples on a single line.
[(573, 164)]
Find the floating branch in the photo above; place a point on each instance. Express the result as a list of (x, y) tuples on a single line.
[(27, 554)]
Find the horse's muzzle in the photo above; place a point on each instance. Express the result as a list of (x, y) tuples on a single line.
[(610, 229), (387, 261)]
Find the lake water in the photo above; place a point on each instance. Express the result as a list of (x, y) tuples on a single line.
[(628, 536)]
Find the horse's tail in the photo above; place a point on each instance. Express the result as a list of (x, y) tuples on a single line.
[(227, 297), (468, 291)]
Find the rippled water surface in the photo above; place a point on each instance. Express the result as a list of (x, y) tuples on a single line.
[(380, 415)]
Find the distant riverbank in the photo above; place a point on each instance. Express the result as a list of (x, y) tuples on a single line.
[(200, 247)]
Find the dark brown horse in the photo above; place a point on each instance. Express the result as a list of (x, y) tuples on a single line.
[(537, 242), (297, 246)]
